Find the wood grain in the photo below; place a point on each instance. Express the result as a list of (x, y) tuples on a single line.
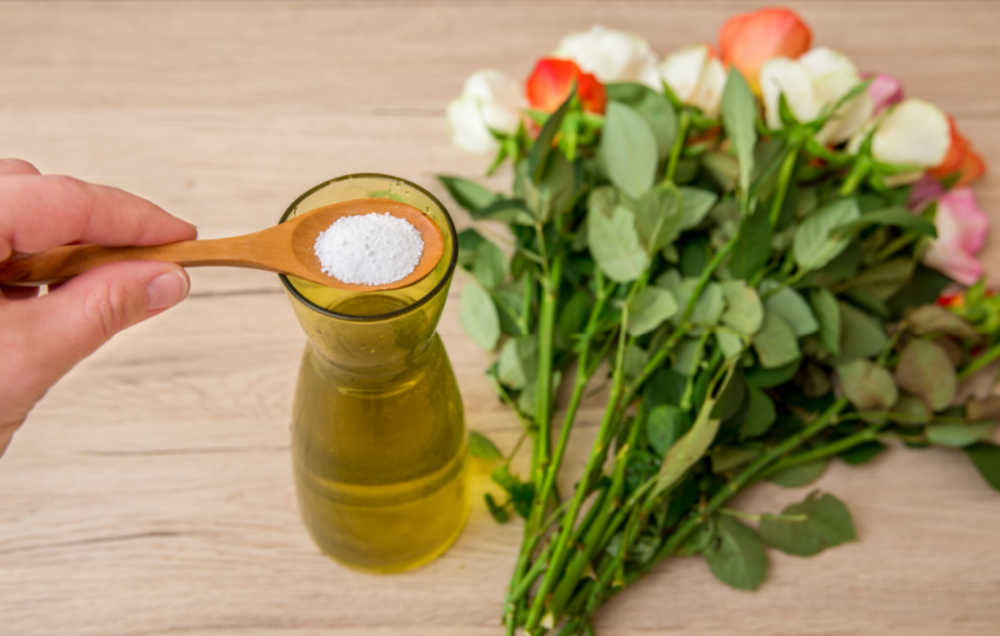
[(150, 492)]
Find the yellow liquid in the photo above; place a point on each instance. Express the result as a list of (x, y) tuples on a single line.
[(379, 453)]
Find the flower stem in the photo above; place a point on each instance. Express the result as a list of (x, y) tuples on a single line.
[(784, 178), (594, 461), (855, 176), (980, 361), (678, 146), (689, 525), (834, 448)]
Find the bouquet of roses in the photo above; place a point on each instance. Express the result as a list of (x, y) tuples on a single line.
[(764, 249)]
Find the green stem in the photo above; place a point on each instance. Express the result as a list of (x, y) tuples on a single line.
[(684, 326), (784, 178), (543, 391), (980, 361), (679, 140), (895, 246), (746, 476), (594, 461), (833, 448), (855, 176)]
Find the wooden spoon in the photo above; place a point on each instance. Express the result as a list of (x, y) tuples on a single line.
[(286, 248)]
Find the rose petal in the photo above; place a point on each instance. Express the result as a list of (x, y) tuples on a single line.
[(923, 192), (612, 56), (915, 132), (885, 90), (971, 220), (682, 70), (748, 41), (708, 97), (788, 77)]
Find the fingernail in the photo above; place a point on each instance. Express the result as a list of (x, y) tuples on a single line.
[(166, 290)]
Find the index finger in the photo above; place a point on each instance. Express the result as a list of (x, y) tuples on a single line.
[(38, 212)]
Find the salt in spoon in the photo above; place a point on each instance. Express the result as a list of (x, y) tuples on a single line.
[(287, 248)]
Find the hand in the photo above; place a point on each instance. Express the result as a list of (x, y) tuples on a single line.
[(42, 337)]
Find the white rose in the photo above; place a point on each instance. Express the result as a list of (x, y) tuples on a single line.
[(811, 83), (612, 56), (693, 75), (489, 100), (911, 133)]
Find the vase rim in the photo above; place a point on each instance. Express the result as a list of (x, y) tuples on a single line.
[(453, 257)]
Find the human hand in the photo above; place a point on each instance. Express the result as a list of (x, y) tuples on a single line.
[(42, 337)]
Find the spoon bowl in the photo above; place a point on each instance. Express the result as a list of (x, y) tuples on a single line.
[(287, 248)]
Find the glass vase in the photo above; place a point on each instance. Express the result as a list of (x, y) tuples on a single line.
[(378, 433)]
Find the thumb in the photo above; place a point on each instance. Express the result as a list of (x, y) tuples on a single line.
[(72, 321)]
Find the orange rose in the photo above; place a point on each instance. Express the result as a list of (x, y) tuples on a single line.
[(748, 40), (550, 83), (961, 158)]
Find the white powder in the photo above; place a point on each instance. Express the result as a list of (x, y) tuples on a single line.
[(369, 249)]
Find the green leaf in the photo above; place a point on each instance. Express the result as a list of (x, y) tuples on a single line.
[(867, 385), (658, 217), (763, 378), (648, 309), (489, 265), (800, 474), (542, 147), (753, 245), (571, 318), (708, 308), (775, 342), (885, 279), (824, 305), (739, 113), (744, 311), (759, 414), (737, 556), (730, 343), (517, 364), (861, 335), (959, 435), (652, 106), (695, 204), (509, 299), (628, 150), (614, 243), (815, 243), (787, 303), (469, 241), (896, 216), (665, 424), (498, 512), (731, 396), (935, 319), (521, 493), (986, 458), (480, 446), (726, 458), (687, 356), (505, 210), (468, 194), (479, 316), (825, 522), (926, 370), (690, 448), (863, 453)]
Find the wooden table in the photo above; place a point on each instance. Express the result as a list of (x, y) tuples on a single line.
[(151, 493)]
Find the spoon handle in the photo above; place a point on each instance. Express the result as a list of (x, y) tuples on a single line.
[(60, 263)]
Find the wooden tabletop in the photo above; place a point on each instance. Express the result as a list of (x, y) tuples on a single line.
[(150, 492)]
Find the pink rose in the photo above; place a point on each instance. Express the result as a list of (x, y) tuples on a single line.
[(923, 193), (885, 90), (961, 231)]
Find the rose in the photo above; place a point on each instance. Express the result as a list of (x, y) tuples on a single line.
[(747, 41), (551, 81), (490, 101), (612, 56), (885, 90), (912, 133), (695, 76), (961, 231), (817, 80), (960, 159)]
